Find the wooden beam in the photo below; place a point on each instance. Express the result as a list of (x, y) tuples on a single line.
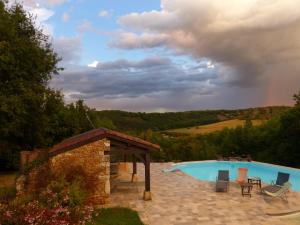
[(125, 147)]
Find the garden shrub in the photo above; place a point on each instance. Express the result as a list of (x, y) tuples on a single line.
[(62, 192), (7, 193), (34, 213), (61, 202), (22, 200)]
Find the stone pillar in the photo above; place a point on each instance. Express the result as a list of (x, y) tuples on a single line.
[(24, 159)]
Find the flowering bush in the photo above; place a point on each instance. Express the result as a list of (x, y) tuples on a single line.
[(34, 214), (61, 203), (61, 192)]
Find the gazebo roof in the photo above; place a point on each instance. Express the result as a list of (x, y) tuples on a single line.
[(115, 137)]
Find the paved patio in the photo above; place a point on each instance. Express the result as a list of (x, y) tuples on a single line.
[(178, 199)]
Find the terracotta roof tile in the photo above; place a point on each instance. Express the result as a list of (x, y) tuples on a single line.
[(100, 133)]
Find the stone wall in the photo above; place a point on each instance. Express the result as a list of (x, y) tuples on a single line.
[(90, 161), (27, 157)]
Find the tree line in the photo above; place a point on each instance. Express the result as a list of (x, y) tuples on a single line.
[(275, 141)]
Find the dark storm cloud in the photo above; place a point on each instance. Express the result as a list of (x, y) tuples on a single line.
[(128, 65), (131, 79)]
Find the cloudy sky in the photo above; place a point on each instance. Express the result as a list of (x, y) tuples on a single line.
[(174, 55)]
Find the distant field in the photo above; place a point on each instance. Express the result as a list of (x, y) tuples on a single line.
[(204, 129)]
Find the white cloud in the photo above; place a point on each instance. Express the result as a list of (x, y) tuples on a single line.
[(93, 64), (40, 10), (249, 37), (84, 26), (39, 3), (42, 14), (65, 17), (128, 40), (104, 13)]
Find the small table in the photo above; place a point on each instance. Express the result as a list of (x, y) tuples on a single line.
[(255, 181), (246, 189)]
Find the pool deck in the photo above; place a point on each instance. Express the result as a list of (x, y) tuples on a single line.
[(178, 199)]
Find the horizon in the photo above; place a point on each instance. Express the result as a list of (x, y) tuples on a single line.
[(197, 110), (170, 56)]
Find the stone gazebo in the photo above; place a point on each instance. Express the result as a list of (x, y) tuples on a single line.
[(87, 154)]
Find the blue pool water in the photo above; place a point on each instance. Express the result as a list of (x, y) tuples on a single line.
[(208, 170)]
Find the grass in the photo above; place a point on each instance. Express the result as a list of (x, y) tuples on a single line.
[(117, 216), (7, 179), (205, 129), (7, 186)]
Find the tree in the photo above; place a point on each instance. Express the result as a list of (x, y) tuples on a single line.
[(27, 63), (297, 99)]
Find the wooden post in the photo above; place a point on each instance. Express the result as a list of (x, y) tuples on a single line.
[(134, 170), (147, 193)]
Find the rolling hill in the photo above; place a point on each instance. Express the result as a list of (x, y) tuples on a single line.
[(140, 121), (204, 129)]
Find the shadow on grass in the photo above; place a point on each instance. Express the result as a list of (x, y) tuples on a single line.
[(117, 216)]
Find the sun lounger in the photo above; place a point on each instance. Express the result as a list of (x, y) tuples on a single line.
[(277, 191), (242, 176), (222, 182), (282, 178)]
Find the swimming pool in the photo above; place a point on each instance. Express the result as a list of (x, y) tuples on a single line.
[(207, 170)]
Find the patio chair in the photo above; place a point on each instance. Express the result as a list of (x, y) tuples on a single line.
[(242, 176), (282, 178), (278, 191), (222, 182)]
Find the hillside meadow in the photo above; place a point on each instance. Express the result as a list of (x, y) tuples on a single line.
[(205, 129)]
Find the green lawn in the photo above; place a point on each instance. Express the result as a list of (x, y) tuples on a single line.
[(7, 186), (7, 179), (117, 216), (204, 129)]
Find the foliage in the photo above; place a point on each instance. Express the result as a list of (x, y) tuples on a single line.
[(7, 193), (35, 163), (61, 192), (297, 99), (32, 115), (60, 203), (33, 213), (7, 186), (27, 64), (275, 141), (139, 122), (116, 216)]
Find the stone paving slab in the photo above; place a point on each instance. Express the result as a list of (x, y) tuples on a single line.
[(178, 199)]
